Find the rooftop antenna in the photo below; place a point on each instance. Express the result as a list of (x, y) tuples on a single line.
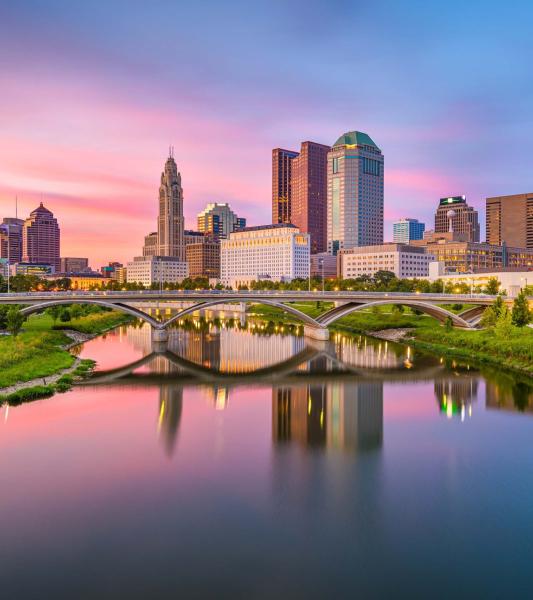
[(16, 207)]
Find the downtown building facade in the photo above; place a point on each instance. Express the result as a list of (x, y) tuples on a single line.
[(510, 220), (11, 240), (406, 230), (299, 190), (203, 258), (281, 184), (459, 255), (278, 252), (163, 254), (355, 193), (454, 214), (218, 221), (41, 238), (147, 270), (70, 264), (403, 260)]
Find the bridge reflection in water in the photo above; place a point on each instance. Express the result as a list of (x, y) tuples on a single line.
[(325, 395)]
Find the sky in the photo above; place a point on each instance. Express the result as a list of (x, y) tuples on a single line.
[(93, 93)]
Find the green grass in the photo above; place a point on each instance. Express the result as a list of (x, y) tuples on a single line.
[(32, 354), (37, 352), (95, 322), (515, 352)]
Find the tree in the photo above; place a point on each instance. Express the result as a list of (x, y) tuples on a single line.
[(65, 317), (384, 278), (448, 323), (491, 314), (4, 308), (492, 287), (504, 324), (55, 312), (521, 314), (15, 319)]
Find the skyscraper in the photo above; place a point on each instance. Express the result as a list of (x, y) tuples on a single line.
[(510, 220), (281, 184), (463, 219), (355, 192), (150, 247), (218, 221), (405, 230), (41, 238), (308, 201), (170, 224), (11, 239)]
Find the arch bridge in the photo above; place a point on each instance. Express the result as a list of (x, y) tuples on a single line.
[(346, 303)]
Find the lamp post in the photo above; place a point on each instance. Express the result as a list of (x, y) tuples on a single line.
[(321, 263), (8, 259)]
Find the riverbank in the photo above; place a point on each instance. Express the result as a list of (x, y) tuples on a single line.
[(425, 333), (38, 361)]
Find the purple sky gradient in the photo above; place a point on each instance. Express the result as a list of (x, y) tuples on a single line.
[(92, 95)]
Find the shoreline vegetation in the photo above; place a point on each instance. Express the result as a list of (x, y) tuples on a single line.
[(41, 360), (514, 352)]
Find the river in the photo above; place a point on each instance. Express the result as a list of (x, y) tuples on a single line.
[(248, 462)]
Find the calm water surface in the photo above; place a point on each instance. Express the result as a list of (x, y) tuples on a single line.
[(246, 463)]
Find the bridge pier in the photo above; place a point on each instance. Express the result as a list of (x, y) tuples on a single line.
[(159, 340), (316, 333)]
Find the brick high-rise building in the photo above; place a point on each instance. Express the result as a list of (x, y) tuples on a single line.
[(281, 184), (309, 193), (464, 218), (11, 233), (41, 238), (510, 220), (355, 192), (203, 258), (170, 223)]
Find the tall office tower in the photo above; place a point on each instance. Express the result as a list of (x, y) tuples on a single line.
[(41, 238), (405, 230), (454, 213), (170, 223), (309, 189), (281, 184), (218, 221), (11, 239), (355, 192), (510, 220), (150, 247)]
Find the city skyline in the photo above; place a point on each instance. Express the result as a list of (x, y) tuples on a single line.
[(92, 146)]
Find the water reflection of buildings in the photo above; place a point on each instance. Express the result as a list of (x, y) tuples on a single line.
[(339, 415), (509, 394), (370, 354), (455, 395), (170, 409)]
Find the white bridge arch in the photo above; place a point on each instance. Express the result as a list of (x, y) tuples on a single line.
[(321, 322)]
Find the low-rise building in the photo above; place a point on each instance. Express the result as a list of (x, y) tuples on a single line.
[(462, 256), (69, 264), (511, 280), (38, 269), (401, 259), (276, 252), (203, 258), (156, 269), (323, 265), (83, 281)]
